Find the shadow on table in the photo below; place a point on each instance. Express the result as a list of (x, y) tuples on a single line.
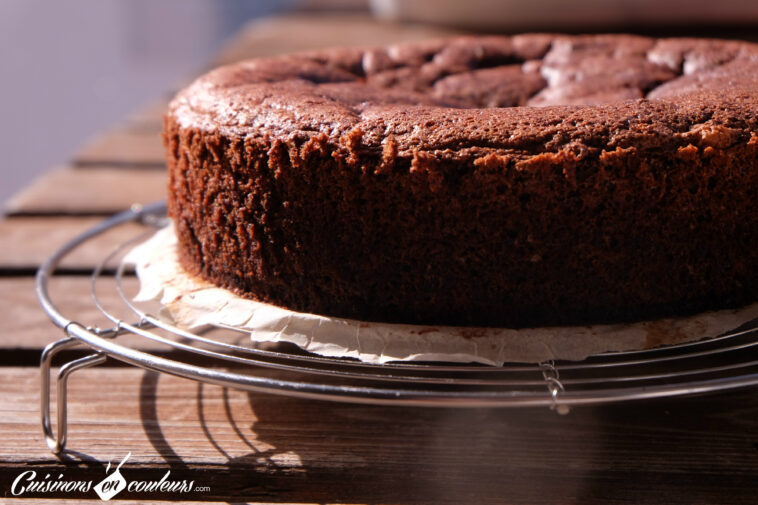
[(694, 450)]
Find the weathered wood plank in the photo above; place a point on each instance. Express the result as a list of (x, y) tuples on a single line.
[(257, 446), (275, 35), (126, 147), (104, 191), (26, 327), (26, 242)]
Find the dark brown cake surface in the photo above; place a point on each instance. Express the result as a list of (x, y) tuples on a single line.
[(488, 181)]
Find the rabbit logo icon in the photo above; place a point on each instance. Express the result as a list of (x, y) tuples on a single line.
[(113, 484)]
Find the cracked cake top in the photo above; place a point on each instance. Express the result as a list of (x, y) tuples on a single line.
[(475, 96)]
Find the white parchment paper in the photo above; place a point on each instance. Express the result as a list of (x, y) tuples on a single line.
[(193, 302)]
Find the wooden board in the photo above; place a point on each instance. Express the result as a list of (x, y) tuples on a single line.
[(27, 329), (26, 242), (126, 148), (269, 448), (102, 191)]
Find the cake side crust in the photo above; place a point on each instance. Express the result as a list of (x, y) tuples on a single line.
[(443, 214)]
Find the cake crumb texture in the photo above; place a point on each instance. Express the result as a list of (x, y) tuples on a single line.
[(484, 181)]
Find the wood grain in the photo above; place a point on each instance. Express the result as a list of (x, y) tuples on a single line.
[(103, 191), (26, 242), (264, 447), (26, 327)]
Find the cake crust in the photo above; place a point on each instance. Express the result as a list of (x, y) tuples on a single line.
[(489, 181)]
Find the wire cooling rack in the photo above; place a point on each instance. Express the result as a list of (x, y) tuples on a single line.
[(137, 335)]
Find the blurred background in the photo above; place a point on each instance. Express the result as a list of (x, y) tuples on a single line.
[(72, 69)]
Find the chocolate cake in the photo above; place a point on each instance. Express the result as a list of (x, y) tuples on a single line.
[(488, 181)]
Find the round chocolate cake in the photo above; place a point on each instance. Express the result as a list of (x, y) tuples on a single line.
[(489, 181)]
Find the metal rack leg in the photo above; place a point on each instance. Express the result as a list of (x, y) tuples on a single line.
[(57, 442), (554, 386)]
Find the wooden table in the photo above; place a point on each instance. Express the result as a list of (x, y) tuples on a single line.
[(260, 448)]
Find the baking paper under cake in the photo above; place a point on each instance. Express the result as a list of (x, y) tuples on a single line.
[(192, 302)]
